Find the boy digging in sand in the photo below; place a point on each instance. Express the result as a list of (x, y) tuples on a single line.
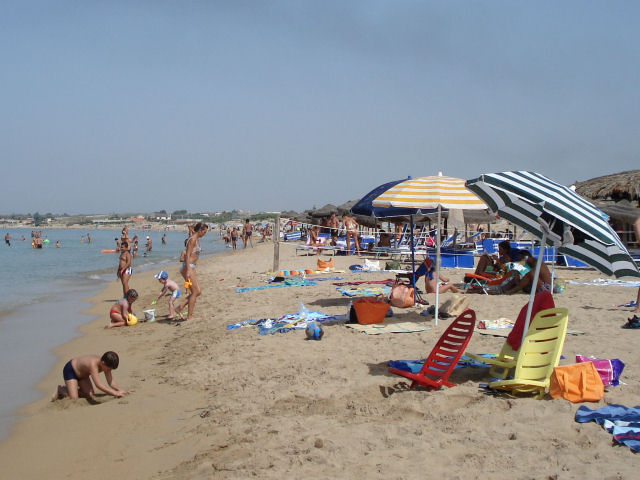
[(79, 371), (169, 288)]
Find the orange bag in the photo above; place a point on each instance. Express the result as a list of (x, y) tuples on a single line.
[(370, 310), (323, 265), (401, 295), (579, 382)]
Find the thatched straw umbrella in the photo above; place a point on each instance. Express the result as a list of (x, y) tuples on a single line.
[(619, 186)]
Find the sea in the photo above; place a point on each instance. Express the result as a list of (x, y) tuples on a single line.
[(43, 291)]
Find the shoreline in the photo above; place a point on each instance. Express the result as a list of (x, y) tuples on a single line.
[(208, 402)]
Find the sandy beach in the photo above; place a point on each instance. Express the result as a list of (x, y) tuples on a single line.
[(207, 402)]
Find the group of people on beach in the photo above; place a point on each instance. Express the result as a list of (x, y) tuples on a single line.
[(79, 372), (121, 313), (230, 235)]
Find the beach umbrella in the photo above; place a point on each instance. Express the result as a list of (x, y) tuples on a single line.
[(426, 193), (365, 207), (558, 217)]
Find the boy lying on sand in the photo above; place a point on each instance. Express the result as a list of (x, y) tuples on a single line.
[(78, 373)]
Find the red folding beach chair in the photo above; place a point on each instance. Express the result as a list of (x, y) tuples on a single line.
[(445, 355)]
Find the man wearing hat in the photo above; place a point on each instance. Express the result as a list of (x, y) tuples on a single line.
[(148, 244)]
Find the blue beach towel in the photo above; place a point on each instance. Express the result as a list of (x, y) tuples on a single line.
[(289, 282), (622, 422)]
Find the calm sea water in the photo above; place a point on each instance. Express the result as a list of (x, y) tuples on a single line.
[(42, 292)]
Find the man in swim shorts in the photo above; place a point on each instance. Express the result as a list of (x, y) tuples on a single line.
[(124, 267), (247, 230), (79, 371), (7, 239)]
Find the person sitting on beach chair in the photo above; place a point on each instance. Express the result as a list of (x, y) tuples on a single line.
[(492, 264), (524, 284)]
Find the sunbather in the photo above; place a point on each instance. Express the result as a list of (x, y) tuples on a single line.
[(427, 268), (493, 263), (544, 279)]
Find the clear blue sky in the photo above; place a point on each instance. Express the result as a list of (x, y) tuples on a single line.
[(111, 106)]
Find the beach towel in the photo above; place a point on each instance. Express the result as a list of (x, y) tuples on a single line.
[(365, 269), (496, 324), (388, 282), (380, 328), (623, 422), (542, 301), (290, 321), (414, 366), (289, 282), (364, 291), (598, 282)]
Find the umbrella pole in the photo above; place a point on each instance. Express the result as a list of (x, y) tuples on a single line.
[(553, 268), (437, 267), (413, 261), (534, 284)]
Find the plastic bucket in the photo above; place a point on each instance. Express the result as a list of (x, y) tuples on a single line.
[(149, 315)]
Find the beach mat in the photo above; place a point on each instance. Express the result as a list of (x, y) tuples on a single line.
[(504, 332), (380, 328)]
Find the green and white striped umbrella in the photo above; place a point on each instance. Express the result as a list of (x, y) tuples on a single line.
[(582, 231)]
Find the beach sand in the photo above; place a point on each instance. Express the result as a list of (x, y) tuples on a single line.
[(211, 403)]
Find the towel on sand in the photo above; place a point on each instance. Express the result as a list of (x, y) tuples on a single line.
[(399, 327)]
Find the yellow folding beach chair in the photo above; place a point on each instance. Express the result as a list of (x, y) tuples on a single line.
[(539, 354)]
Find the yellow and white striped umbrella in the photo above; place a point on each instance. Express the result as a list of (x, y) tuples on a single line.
[(430, 192)]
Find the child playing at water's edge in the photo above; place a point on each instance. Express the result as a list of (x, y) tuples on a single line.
[(169, 288), (79, 371), (121, 309)]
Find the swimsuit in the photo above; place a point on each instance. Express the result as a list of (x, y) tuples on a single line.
[(175, 293), (68, 373), (248, 233)]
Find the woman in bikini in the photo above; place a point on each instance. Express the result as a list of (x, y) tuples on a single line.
[(351, 226), (188, 269)]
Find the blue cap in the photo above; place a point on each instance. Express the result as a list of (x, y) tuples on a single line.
[(162, 274)]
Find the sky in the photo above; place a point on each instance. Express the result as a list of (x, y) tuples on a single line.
[(141, 106)]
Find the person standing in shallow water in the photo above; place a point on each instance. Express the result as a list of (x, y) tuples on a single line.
[(7, 239), (188, 269)]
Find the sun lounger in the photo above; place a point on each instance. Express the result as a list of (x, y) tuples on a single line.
[(539, 354), (445, 355)]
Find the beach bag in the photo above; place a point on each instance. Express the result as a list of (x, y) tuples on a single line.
[(609, 370), (370, 310), (401, 295), (324, 265), (392, 265), (577, 383)]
